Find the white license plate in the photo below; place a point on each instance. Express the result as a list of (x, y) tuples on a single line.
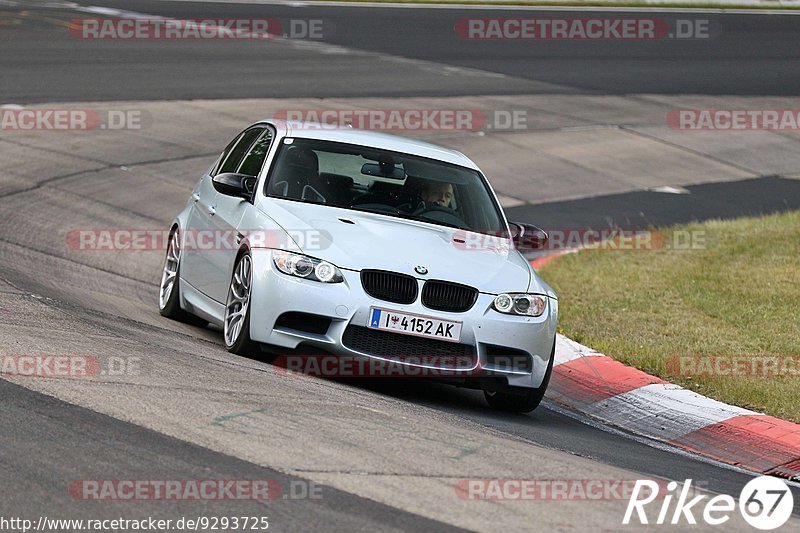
[(410, 324)]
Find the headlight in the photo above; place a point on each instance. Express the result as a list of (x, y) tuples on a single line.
[(302, 266), (520, 304)]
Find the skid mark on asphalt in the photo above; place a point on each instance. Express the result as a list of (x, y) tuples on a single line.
[(265, 423)]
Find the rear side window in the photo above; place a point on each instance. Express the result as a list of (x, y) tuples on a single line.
[(234, 158), (254, 160)]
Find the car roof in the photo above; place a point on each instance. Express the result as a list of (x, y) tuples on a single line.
[(372, 139)]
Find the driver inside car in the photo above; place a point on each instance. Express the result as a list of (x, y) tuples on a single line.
[(437, 193)]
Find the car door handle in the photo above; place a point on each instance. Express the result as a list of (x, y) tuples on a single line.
[(195, 197), (212, 210)]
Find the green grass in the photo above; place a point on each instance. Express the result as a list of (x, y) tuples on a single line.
[(738, 295)]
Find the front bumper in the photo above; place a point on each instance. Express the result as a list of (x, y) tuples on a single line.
[(347, 304)]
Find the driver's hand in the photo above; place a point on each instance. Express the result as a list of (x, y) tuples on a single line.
[(420, 207)]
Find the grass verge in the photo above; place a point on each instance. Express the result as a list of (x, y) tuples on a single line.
[(722, 320)]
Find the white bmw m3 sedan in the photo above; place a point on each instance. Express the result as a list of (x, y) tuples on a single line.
[(319, 239)]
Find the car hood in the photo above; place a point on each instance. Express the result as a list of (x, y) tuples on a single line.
[(373, 241)]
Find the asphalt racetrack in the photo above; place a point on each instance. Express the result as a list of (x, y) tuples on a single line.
[(741, 55)]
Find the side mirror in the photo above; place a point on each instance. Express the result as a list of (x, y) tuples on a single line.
[(233, 184), (528, 237)]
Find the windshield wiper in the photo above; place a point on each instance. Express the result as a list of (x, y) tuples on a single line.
[(440, 223), (301, 200), (396, 211)]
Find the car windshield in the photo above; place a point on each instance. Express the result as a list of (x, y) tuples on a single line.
[(380, 181)]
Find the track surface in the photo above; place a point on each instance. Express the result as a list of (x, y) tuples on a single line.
[(745, 55), (197, 412), (114, 449)]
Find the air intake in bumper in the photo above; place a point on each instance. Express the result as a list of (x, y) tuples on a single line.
[(409, 348)]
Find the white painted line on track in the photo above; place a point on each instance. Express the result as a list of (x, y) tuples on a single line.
[(320, 47)]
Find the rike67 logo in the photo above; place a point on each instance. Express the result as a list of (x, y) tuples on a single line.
[(765, 503)]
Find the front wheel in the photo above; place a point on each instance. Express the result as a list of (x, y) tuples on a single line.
[(521, 400), (236, 325)]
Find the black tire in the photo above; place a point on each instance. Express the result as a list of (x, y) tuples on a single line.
[(172, 306), (523, 400), (174, 311), (242, 344)]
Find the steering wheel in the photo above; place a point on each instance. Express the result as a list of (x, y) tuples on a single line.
[(439, 213)]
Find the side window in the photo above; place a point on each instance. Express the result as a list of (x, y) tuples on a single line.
[(235, 156), (224, 155), (254, 159)]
